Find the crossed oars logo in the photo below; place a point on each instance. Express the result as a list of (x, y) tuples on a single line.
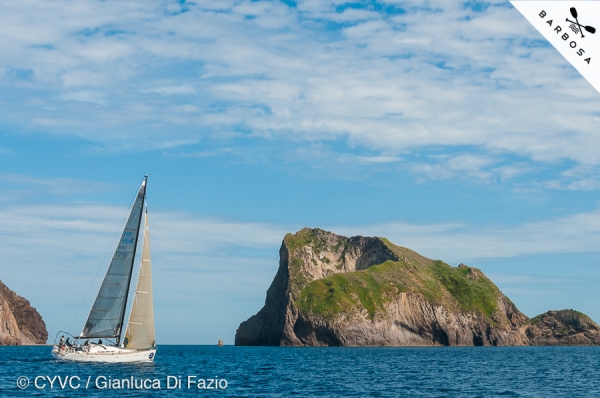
[(590, 29)]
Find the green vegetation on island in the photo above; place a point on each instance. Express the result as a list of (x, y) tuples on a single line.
[(461, 288)]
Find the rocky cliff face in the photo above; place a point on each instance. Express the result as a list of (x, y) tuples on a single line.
[(566, 327), (20, 323), (338, 291)]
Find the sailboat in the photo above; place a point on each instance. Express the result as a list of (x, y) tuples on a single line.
[(106, 317)]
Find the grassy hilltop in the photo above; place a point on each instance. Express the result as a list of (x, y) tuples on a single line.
[(460, 288)]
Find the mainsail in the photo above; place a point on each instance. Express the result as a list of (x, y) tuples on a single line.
[(107, 314), (140, 328)]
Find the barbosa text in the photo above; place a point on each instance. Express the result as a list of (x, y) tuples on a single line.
[(565, 36)]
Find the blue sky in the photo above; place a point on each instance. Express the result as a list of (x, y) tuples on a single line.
[(449, 127)]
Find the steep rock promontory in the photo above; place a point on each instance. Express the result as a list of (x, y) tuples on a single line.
[(20, 323), (365, 291)]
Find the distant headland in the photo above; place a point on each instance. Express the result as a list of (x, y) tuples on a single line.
[(331, 290), (20, 323)]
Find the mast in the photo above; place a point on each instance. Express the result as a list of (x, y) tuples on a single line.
[(108, 312)]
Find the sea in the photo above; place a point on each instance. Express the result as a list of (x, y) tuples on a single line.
[(229, 371)]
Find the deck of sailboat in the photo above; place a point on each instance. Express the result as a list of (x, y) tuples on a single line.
[(102, 353)]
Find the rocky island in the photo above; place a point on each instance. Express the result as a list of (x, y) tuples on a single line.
[(331, 290), (20, 323)]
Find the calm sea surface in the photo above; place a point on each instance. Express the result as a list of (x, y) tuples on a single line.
[(310, 372)]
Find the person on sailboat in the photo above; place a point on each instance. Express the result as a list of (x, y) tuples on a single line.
[(68, 342), (100, 341), (62, 341)]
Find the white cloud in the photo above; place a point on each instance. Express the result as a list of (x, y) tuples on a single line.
[(57, 186), (468, 165), (172, 90), (84, 96), (577, 233), (439, 74), (369, 159), (508, 172)]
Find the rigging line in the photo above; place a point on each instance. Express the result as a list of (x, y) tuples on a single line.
[(102, 262)]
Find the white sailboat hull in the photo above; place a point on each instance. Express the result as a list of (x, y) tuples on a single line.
[(101, 353)]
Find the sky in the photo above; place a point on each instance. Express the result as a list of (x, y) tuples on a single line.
[(450, 127)]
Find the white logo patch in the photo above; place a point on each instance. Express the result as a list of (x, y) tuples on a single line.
[(573, 28)]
